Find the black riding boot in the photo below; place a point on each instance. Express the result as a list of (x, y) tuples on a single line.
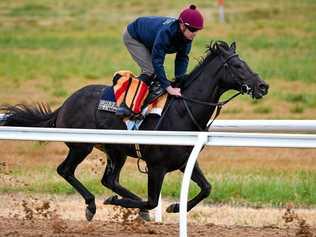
[(145, 78)]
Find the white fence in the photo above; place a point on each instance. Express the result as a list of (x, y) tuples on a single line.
[(196, 139), (286, 126)]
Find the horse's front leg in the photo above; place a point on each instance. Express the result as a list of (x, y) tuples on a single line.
[(199, 178), (155, 179), (111, 178)]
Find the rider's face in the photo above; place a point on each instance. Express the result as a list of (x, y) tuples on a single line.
[(188, 32)]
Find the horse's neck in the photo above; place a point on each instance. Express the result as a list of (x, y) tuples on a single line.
[(206, 89), (202, 113), (206, 83)]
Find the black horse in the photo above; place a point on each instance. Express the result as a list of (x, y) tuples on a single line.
[(220, 70)]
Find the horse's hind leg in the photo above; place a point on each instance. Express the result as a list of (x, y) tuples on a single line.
[(199, 178), (115, 162), (77, 153), (155, 180)]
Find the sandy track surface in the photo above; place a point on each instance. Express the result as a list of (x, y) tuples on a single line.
[(57, 227), (43, 215)]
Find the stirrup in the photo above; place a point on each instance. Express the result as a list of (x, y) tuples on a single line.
[(123, 111)]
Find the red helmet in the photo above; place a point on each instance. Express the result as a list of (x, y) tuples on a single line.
[(192, 17)]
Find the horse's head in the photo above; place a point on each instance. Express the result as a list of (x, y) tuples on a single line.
[(236, 74)]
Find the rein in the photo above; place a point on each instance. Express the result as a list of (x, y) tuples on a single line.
[(218, 105)]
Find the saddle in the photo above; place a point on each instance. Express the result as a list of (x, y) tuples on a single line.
[(136, 95)]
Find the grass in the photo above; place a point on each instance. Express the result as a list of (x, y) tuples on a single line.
[(49, 49), (263, 110), (258, 188), (31, 10), (297, 109), (85, 37), (79, 43), (256, 177)]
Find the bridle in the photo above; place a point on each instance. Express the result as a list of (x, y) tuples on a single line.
[(219, 105)]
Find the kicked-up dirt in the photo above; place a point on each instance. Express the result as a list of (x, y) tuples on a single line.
[(60, 227), (29, 215)]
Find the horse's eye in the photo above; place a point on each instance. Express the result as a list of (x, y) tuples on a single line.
[(237, 66)]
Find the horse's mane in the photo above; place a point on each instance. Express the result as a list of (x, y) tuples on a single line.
[(214, 49)]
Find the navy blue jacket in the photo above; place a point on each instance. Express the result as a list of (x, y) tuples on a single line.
[(162, 35)]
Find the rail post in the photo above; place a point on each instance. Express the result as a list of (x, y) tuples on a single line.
[(158, 214), (202, 139), (221, 13)]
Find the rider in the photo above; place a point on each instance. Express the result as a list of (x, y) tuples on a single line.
[(149, 39)]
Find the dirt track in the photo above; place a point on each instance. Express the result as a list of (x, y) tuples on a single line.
[(58, 227), (24, 215)]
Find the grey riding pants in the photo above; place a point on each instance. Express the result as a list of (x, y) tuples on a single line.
[(140, 54)]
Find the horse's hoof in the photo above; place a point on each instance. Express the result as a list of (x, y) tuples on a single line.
[(89, 214), (173, 208), (144, 214), (110, 200)]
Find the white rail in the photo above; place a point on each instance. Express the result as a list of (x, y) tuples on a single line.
[(158, 137), (196, 139), (98, 136), (285, 126), (279, 126)]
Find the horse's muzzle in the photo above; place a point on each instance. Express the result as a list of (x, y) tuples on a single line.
[(261, 90)]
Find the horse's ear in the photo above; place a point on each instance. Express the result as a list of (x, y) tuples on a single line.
[(233, 46)]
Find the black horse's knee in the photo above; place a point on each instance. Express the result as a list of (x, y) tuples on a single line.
[(64, 171), (108, 181), (109, 175), (61, 170), (206, 189)]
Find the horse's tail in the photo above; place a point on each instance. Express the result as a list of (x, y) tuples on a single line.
[(39, 115)]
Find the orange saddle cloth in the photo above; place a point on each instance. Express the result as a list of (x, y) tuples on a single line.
[(130, 90)]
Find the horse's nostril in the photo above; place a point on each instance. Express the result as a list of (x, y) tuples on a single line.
[(264, 87)]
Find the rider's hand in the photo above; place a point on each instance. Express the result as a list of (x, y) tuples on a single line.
[(173, 91)]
